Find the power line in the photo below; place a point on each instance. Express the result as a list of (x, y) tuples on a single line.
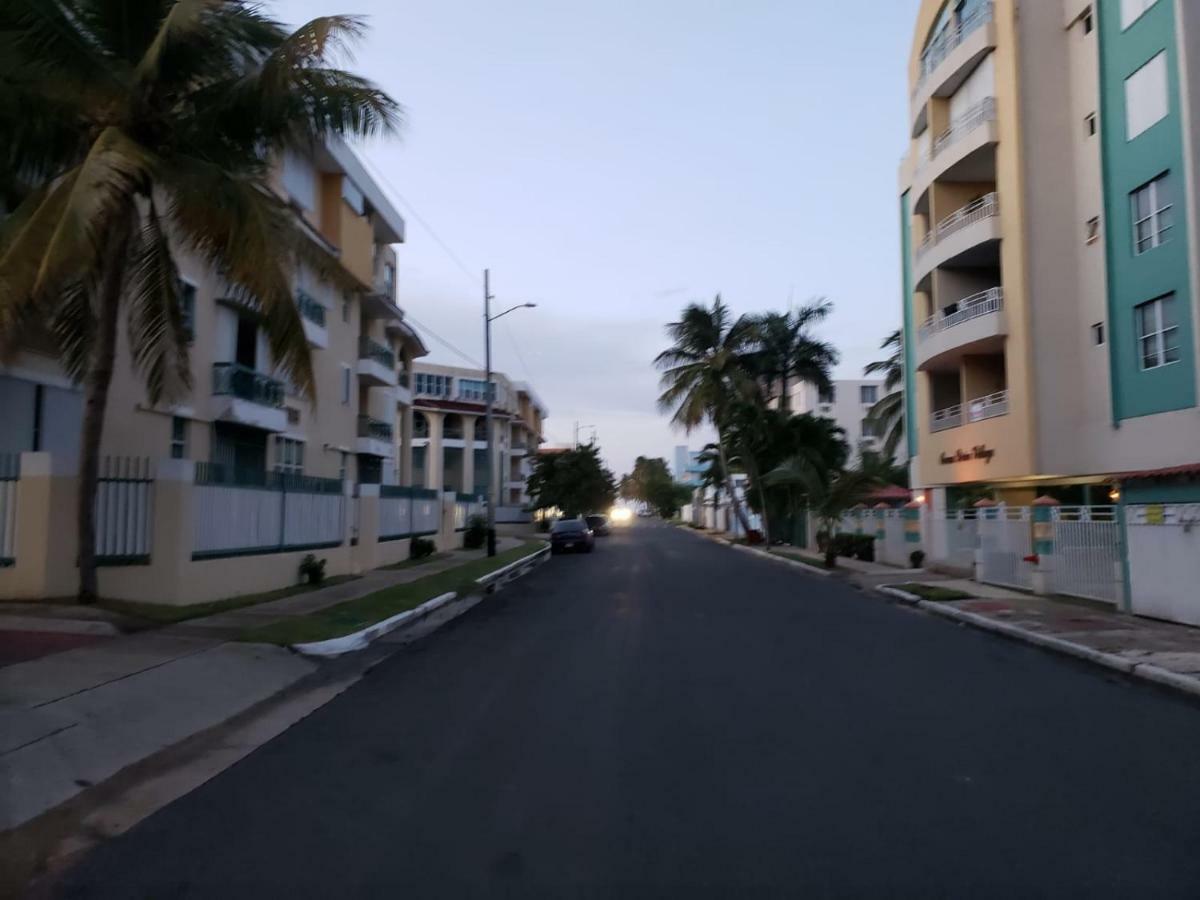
[(441, 340)]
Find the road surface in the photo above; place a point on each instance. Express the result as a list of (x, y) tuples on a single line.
[(671, 718)]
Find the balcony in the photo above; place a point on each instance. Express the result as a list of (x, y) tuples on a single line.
[(404, 394), (374, 437), (959, 150), (312, 316), (989, 407), (376, 363), (975, 324), (952, 56), (966, 237), (247, 397)]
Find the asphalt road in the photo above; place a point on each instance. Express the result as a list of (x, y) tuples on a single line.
[(670, 718)]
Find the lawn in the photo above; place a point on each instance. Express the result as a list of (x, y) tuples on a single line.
[(809, 559), (354, 615), (932, 592), (412, 563), (165, 614)]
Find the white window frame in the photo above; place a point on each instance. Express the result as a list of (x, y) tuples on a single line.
[(863, 389), (179, 444), (1164, 337), (1147, 96), (1132, 10), (289, 455), (1159, 232)]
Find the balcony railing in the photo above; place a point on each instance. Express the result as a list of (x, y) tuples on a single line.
[(946, 42), (369, 349), (945, 419), (983, 208), (310, 309), (982, 112), (234, 380), (982, 304), (988, 407), (375, 429)]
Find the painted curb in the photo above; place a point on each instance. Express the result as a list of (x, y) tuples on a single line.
[(904, 596), (775, 557), (359, 640), (1167, 678)]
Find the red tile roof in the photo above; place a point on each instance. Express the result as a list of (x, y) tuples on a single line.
[(1191, 470)]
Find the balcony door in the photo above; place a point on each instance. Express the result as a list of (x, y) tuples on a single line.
[(240, 450), (245, 351)]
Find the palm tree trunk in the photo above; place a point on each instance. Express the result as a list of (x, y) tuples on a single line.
[(784, 403), (733, 497), (99, 378)]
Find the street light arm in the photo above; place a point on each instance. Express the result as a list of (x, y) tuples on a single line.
[(511, 309)]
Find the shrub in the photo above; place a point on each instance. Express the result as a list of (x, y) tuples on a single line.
[(854, 546), (917, 558), (312, 570), (476, 534), (543, 525), (421, 548)]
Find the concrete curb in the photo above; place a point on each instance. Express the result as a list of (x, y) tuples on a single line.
[(361, 639), (775, 557), (904, 596)]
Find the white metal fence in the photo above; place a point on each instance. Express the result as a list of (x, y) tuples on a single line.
[(124, 511), (278, 514), (962, 537), (427, 513), (894, 548), (1087, 552), (1164, 560), (10, 473), (395, 513), (1005, 542)]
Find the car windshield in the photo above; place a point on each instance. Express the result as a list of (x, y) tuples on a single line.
[(596, 520), (568, 526)]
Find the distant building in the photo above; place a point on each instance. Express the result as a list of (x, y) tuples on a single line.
[(687, 469), (848, 403)]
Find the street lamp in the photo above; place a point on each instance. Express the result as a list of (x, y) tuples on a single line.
[(488, 319)]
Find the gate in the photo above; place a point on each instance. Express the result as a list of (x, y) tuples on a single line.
[(1006, 539), (1087, 552), (962, 537)]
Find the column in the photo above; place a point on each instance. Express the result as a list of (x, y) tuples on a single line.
[(433, 453), (912, 532), (405, 465), (468, 468)]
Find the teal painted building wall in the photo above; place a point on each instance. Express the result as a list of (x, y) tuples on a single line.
[(910, 334), (1127, 165)]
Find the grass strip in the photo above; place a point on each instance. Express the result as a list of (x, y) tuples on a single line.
[(807, 558), (166, 614), (413, 563), (932, 592), (354, 615)]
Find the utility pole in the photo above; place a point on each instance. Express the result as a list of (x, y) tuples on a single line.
[(487, 391), (492, 467), (578, 427)]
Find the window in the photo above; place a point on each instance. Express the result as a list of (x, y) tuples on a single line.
[(1088, 22), (299, 178), (472, 389), (289, 456), (1132, 10), (1146, 101), (1093, 230), (1098, 334), (345, 385), (870, 429), (342, 465), (1158, 332), (178, 438), (187, 308), (432, 385), (1152, 217), (868, 394), (1089, 125), (827, 395)]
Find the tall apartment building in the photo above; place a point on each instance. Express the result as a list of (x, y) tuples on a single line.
[(848, 404), (240, 416), (1048, 208), (450, 433)]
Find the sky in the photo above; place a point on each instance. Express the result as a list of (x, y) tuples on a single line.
[(613, 161)]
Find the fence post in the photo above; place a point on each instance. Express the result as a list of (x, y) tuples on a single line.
[(1043, 544), (988, 512), (447, 536), (366, 553), (912, 529)]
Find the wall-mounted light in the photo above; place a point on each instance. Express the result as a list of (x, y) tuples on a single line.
[(1114, 495)]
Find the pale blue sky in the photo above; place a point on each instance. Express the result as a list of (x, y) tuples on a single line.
[(613, 160)]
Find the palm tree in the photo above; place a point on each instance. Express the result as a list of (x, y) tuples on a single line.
[(827, 494), (705, 372), (135, 131), (787, 349), (888, 411)]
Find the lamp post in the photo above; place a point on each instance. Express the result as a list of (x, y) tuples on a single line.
[(488, 319)]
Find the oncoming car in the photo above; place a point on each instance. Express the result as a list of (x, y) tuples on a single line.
[(571, 536), (598, 524)]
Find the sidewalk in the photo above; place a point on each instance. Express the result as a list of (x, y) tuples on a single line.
[(75, 718), (1157, 651)]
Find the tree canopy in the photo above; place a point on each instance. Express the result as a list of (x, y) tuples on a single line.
[(575, 481)]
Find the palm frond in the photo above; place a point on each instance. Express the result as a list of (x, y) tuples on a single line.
[(157, 339)]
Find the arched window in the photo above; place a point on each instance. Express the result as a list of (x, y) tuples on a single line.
[(452, 427), (481, 429), (420, 425)]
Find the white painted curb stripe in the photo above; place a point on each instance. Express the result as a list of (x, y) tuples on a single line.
[(899, 594), (360, 639), (811, 570)]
